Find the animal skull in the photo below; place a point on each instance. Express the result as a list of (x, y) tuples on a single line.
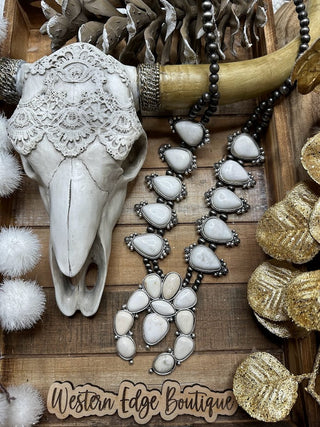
[(79, 137)]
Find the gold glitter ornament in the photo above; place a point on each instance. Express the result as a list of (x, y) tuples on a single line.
[(283, 231), (306, 70), (314, 223), (310, 157), (303, 302), (267, 287), (264, 387), (284, 329)]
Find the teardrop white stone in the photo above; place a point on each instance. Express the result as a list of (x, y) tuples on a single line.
[(126, 347), (232, 172), (171, 285), (185, 298), (183, 347), (149, 245), (185, 321), (152, 284), (203, 259), (138, 301), (168, 187), (157, 214), (179, 159), (164, 364), (163, 307), (225, 200), (216, 230), (191, 133), (244, 147), (155, 328), (123, 322)]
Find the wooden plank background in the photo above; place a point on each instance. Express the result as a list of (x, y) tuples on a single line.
[(81, 349)]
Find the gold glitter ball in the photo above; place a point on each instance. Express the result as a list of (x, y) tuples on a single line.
[(310, 157), (303, 300), (267, 287), (264, 387), (314, 223), (283, 231)]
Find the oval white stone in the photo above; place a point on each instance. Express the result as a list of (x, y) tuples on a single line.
[(231, 172), (126, 347), (203, 259), (138, 301), (164, 364), (157, 214), (216, 230), (168, 187), (179, 159), (171, 285), (225, 200), (191, 133), (149, 245), (185, 298), (183, 347), (185, 321), (152, 285), (163, 307), (123, 322), (244, 147), (155, 328)]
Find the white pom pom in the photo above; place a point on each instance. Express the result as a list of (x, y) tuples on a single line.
[(4, 410), (21, 304), (26, 408), (3, 29), (10, 174), (5, 143), (19, 251)]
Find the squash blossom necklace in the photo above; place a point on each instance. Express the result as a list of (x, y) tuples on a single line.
[(170, 297)]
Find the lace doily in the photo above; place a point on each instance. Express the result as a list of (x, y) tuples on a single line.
[(82, 95)]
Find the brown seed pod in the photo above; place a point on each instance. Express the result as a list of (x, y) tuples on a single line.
[(314, 223), (303, 300), (283, 231), (310, 157), (286, 329), (264, 387), (267, 287)]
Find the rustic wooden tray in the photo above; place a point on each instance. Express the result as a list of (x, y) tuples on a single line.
[(82, 350)]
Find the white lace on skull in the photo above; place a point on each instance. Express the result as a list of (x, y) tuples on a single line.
[(78, 134)]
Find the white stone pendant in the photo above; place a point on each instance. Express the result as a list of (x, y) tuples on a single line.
[(123, 322), (185, 298), (148, 245), (166, 186), (155, 328), (152, 285), (185, 321), (159, 215), (164, 308), (164, 364), (171, 285), (138, 301), (215, 230), (180, 160), (232, 173), (126, 347), (192, 133), (223, 200), (183, 347), (203, 259), (243, 146)]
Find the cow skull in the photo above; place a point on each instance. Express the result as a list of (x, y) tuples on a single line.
[(79, 137)]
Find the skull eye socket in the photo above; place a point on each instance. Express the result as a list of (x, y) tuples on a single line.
[(134, 160)]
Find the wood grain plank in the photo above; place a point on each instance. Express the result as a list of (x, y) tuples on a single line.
[(126, 268), (220, 311)]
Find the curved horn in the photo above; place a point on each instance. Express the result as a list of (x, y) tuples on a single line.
[(181, 85)]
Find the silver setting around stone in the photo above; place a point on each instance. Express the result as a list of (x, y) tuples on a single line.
[(192, 133), (204, 260), (169, 187), (243, 146), (231, 172), (180, 160), (149, 245), (215, 230), (161, 217), (223, 200)]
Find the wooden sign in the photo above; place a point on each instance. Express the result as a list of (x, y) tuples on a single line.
[(135, 400)]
